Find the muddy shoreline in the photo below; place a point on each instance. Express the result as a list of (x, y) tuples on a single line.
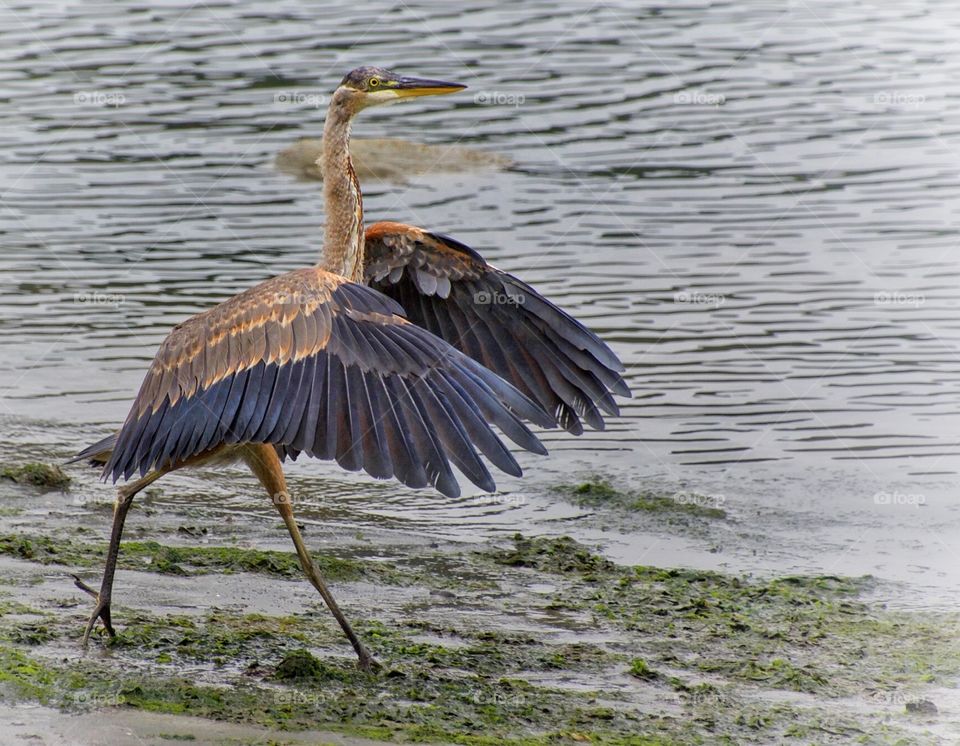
[(531, 640)]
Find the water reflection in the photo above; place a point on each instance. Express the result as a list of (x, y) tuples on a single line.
[(389, 159)]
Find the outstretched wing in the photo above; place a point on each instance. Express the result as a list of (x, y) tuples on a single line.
[(498, 320), (313, 363)]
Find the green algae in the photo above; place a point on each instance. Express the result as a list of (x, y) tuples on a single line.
[(299, 665), (26, 676), (37, 475), (598, 492), (559, 555), (445, 679), (641, 669), (795, 633), (152, 556)]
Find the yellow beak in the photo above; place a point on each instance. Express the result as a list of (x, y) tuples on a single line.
[(411, 87)]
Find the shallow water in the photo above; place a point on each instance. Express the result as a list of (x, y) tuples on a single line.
[(754, 203)]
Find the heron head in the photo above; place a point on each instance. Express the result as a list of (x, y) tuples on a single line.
[(372, 86)]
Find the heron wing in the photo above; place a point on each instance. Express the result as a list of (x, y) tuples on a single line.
[(498, 320), (313, 363)]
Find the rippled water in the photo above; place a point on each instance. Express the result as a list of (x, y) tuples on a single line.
[(756, 203)]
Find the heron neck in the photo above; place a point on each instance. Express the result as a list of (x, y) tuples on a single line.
[(343, 232)]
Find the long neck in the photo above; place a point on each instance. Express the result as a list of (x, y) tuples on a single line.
[(343, 234)]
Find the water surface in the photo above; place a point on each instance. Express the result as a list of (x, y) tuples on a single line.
[(755, 203)]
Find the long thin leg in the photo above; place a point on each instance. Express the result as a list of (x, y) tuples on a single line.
[(120, 508), (264, 462), (366, 660)]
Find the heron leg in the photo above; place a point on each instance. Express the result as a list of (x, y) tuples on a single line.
[(264, 462), (120, 508)]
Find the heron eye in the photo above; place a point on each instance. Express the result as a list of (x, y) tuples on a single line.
[(374, 82)]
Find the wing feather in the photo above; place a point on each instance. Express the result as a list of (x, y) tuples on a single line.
[(376, 454), (472, 421), (498, 320), (313, 363), (267, 432), (315, 406), (438, 466), (294, 401), (256, 408), (407, 460)]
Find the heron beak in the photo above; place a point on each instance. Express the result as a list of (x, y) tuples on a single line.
[(411, 87)]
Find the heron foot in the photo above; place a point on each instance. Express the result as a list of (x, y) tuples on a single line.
[(366, 662), (100, 611)]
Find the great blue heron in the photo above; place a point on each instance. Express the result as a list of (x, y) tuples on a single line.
[(398, 379)]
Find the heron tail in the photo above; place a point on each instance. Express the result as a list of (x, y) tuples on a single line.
[(98, 453)]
